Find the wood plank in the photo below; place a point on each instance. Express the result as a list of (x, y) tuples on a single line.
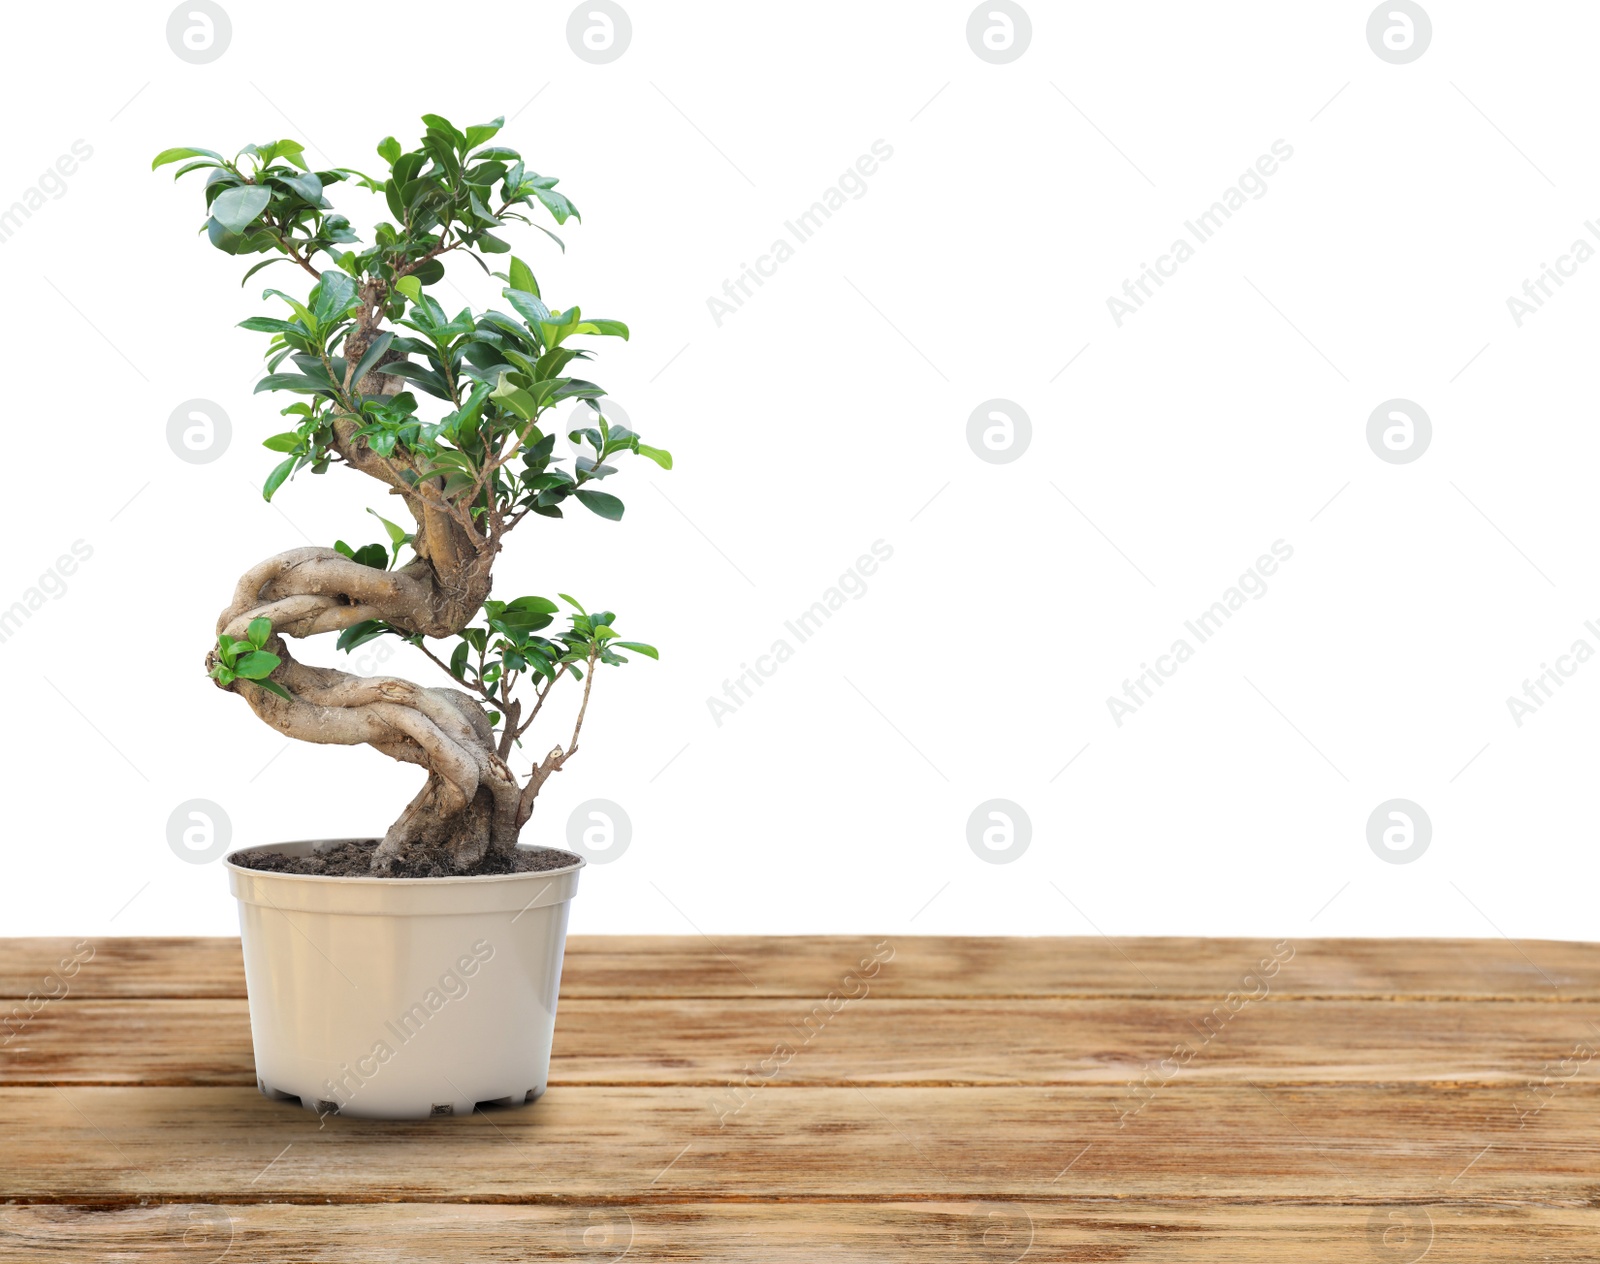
[(1385, 1144), (923, 966), (797, 1232), (119, 967), (882, 1041)]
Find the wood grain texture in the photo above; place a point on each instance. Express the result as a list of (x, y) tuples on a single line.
[(988, 1100), (1245, 1142), (618, 966), (937, 1232), (880, 1041)]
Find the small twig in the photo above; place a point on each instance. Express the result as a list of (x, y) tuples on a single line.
[(588, 683), (540, 695)]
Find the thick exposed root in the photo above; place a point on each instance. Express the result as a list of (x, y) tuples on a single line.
[(471, 802)]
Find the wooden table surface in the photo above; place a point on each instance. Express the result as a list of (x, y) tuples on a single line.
[(975, 1100)]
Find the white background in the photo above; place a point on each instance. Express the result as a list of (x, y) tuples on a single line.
[(830, 412)]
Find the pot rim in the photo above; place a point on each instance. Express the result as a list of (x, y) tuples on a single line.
[(311, 844)]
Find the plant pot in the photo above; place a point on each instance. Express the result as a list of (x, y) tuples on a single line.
[(402, 998)]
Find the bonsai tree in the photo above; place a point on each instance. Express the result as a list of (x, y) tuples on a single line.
[(449, 414)]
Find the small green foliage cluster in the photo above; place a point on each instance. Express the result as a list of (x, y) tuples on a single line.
[(247, 660), (498, 373)]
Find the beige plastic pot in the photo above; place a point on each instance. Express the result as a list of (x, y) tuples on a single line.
[(402, 998)]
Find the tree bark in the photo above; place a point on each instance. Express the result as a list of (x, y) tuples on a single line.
[(471, 802)]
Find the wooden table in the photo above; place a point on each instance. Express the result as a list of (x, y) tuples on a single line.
[(976, 1099)]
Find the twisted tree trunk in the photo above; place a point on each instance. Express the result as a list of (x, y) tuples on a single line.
[(471, 802)]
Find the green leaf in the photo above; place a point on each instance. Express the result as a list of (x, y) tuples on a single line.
[(427, 378), (528, 304), (389, 150), (481, 132), (307, 186), (572, 601), (257, 665), (176, 155), (270, 325), (289, 441), (258, 632), (222, 238), (399, 537), (292, 382), (295, 305), (235, 209), (536, 605), (557, 204), (373, 555), (660, 456), (521, 278), (272, 686), (369, 361), (360, 633), (436, 122), (265, 263), (224, 675), (516, 399), (332, 296), (276, 478), (611, 328), (607, 506), (638, 647), (410, 287)]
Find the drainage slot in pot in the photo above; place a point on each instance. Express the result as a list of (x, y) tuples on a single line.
[(534, 1094), (276, 1095), (496, 1102), (444, 1108)]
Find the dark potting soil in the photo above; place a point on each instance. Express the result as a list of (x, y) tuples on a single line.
[(354, 860)]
